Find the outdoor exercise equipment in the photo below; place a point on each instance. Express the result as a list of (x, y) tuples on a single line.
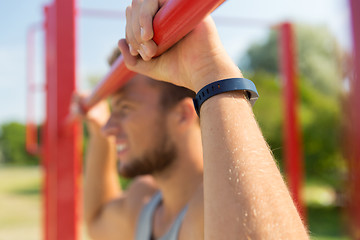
[(62, 147), (172, 22), (61, 140), (31, 128), (292, 135)]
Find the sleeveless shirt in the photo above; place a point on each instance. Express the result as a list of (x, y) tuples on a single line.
[(145, 221)]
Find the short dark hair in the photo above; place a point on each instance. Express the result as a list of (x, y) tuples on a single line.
[(170, 94)]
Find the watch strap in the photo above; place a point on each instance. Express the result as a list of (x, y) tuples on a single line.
[(226, 85)]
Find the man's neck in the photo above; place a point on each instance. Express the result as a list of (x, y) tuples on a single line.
[(181, 180)]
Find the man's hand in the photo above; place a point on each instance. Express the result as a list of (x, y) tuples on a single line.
[(95, 118), (195, 61)]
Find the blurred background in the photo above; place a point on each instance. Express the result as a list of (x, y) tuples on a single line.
[(247, 29)]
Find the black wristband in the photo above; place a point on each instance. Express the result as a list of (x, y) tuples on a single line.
[(226, 85)]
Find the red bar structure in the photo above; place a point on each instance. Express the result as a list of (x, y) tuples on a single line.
[(354, 123), (61, 156), (31, 140), (173, 21), (292, 135)]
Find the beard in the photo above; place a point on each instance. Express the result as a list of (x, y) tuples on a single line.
[(155, 160)]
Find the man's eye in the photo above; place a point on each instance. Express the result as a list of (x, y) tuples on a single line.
[(124, 108)]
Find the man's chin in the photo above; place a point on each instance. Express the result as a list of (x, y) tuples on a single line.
[(127, 170)]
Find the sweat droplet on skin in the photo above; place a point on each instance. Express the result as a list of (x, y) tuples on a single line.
[(254, 211)]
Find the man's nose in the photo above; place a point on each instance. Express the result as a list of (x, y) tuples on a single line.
[(111, 127)]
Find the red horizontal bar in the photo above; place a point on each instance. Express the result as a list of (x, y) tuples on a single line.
[(172, 22)]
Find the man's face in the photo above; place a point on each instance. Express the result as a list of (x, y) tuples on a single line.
[(143, 144)]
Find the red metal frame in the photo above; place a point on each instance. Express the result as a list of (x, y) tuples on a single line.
[(292, 134), (173, 21), (31, 140), (61, 145), (62, 149), (354, 132)]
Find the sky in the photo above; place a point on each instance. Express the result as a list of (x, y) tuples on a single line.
[(96, 37)]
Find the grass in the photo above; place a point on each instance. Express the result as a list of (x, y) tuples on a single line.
[(21, 217), (20, 209)]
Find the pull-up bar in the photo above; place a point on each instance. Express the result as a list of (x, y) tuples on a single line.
[(173, 21)]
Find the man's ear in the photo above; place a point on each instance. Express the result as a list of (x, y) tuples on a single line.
[(184, 113)]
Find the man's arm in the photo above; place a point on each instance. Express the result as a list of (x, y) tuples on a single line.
[(243, 189), (109, 212), (244, 194), (101, 185)]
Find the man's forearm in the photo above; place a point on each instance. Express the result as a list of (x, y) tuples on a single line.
[(244, 193), (101, 179)]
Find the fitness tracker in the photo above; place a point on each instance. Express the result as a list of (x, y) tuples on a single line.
[(226, 85)]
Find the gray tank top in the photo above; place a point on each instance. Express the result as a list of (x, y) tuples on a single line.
[(145, 222)]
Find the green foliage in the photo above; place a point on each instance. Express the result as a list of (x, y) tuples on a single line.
[(262, 56), (319, 122), (12, 145), (319, 60)]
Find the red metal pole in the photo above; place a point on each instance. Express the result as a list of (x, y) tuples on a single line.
[(50, 147), (31, 130), (292, 136), (173, 21), (62, 149), (354, 166)]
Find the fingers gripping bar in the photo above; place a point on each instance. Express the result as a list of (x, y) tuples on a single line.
[(171, 23)]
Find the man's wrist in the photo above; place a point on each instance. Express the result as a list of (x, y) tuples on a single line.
[(217, 70), (223, 86)]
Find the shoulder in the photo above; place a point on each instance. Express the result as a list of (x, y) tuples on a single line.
[(139, 193), (193, 224), (119, 216)]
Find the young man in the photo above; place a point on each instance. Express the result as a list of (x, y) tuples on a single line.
[(237, 194)]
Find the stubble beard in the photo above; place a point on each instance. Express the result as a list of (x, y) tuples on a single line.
[(154, 161)]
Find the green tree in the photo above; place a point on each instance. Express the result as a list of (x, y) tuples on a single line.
[(12, 145), (319, 63), (320, 58)]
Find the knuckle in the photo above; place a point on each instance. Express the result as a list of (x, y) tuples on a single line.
[(137, 35), (128, 11), (143, 17)]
